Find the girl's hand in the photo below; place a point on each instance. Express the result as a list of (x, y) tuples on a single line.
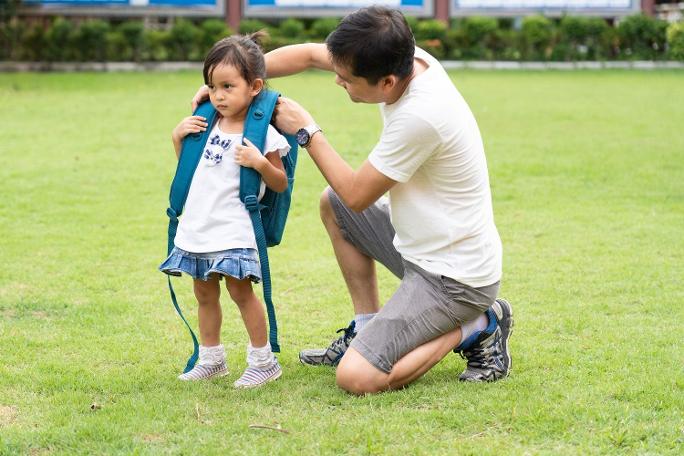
[(192, 124), (249, 156)]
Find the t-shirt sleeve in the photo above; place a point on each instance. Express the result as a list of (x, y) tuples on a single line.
[(406, 143), (276, 142)]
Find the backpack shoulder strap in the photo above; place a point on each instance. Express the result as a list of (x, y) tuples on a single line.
[(256, 129), (191, 152)]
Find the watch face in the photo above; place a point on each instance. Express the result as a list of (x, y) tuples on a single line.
[(302, 137)]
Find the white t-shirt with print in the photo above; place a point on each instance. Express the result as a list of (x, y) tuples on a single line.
[(214, 218), (441, 207)]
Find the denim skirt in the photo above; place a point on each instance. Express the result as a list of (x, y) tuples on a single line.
[(238, 263)]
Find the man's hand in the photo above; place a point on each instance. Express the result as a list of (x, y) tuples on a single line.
[(290, 116), (201, 95), (249, 156)]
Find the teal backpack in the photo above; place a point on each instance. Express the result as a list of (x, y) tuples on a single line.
[(268, 215)]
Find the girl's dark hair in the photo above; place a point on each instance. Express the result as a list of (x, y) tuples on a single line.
[(241, 51), (373, 42)]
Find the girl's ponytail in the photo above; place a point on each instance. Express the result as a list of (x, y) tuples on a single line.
[(258, 37)]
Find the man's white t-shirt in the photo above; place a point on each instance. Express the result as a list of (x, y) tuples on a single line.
[(214, 218), (441, 207)]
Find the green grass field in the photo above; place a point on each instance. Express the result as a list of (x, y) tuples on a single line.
[(587, 173)]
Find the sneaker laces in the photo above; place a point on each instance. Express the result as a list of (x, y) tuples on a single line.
[(480, 355), (346, 338)]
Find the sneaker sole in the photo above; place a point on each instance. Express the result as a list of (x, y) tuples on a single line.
[(309, 362), (506, 325), (216, 375)]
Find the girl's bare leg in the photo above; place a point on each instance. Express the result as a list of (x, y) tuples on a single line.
[(209, 313), (251, 309)]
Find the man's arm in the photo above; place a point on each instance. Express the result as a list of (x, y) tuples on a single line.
[(284, 61), (357, 189), (296, 58)]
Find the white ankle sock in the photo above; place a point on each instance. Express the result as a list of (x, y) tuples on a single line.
[(211, 356), (472, 327), (260, 357), (361, 320)]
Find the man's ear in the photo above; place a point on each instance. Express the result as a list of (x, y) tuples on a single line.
[(257, 86), (389, 82)]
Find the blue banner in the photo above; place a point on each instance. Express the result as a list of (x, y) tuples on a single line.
[(331, 8), (335, 3), (80, 2), (129, 3)]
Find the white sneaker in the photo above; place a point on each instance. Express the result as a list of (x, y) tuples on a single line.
[(253, 377)]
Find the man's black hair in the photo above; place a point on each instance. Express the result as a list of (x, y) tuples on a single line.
[(373, 42)]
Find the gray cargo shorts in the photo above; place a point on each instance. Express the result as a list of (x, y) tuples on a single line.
[(425, 305)]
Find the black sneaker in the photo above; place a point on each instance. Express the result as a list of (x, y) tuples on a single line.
[(329, 356), (488, 358)]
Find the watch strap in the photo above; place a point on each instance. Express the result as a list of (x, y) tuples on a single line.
[(311, 130)]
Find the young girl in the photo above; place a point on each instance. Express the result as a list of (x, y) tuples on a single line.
[(215, 238)]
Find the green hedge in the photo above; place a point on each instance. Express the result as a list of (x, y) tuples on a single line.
[(569, 38), (675, 40)]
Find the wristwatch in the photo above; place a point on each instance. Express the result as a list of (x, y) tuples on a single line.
[(305, 134)]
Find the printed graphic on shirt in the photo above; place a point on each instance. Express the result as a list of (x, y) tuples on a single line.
[(216, 147)]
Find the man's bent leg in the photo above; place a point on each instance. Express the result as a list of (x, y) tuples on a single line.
[(417, 327), (416, 363), (358, 376), (358, 239), (358, 269)]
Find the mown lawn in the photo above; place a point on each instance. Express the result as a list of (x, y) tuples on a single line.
[(587, 173)]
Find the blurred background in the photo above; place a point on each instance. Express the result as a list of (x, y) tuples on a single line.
[(183, 30)]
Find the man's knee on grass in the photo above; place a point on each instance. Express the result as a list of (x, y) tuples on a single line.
[(357, 376)]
